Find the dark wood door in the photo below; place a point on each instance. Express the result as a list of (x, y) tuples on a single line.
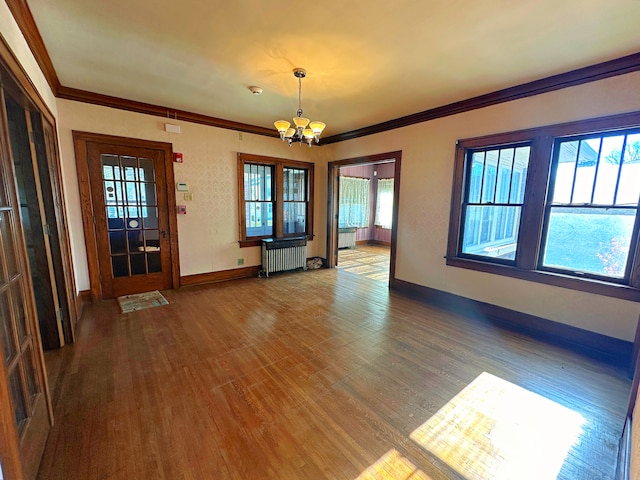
[(131, 218)]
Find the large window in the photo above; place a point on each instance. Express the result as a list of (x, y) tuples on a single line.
[(557, 205), (275, 198), (384, 203), (354, 202)]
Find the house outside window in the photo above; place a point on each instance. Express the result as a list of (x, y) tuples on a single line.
[(275, 198), (556, 204)]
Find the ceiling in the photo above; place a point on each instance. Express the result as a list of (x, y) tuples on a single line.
[(367, 61)]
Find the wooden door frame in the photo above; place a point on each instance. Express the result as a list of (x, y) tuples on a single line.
[(332, 204), (80, 140)]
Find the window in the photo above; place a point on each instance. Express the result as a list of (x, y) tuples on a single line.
[(384, 203), (493, 202), (354, 202), (556, 204), (276, 198)]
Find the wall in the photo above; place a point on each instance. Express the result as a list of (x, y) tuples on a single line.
[(425, 197), (208, 234), (372, 172)]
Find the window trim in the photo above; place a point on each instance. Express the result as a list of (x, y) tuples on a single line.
[(526, 265), (278, 164)]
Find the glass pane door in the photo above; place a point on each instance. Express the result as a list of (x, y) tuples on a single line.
[(129, 185)]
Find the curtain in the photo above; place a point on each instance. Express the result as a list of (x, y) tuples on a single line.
[(354, 202), (384, 203)]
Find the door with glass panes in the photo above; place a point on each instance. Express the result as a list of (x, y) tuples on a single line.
[(22, 381), (130, 210)]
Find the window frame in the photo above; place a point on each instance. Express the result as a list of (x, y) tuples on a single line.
[(277, 193), (527, 265)]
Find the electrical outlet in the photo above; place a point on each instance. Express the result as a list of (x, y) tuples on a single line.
[(188, 196), (241, 261)]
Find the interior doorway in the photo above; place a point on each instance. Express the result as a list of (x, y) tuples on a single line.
[(362, 215)]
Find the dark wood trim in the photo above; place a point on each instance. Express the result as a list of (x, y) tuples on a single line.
[(381, 243), (595, 345), (624, 452), (80, 140), (220, 276), (23, 17), (362, 242), (83, 298), (168, 113), (588, 285), (332, 203), (625, 445), (600, 71)]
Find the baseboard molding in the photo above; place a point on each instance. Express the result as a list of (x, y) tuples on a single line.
[(381, 243), (373, 242), (595, 345), (623, 466), (220, 276), (82, 298)]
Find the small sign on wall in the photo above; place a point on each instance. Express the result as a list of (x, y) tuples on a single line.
[(177, 157)]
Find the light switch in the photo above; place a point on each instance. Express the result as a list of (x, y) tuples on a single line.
[(188, 197)]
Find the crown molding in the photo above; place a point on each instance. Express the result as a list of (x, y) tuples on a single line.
[(168, 113), (600, 71), (23, 17)]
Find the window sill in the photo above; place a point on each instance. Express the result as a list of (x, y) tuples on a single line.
[(597, 287), (256, 242)]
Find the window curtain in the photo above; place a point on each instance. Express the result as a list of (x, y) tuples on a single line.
[(354, 202), (384, 203)]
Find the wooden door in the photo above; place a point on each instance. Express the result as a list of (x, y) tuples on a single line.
[(131, 218), (23, 388)]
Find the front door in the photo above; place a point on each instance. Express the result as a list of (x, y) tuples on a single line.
[(131, 218)]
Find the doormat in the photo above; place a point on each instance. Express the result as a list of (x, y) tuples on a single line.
[(140, 301)]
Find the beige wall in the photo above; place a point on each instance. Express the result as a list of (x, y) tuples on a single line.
[(425, 197), (208, 234)]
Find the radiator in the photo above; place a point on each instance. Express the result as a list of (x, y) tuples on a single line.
[(347, 237), (282, 254)]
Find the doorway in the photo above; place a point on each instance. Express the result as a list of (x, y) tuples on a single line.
[(128, 210), (362, 228)]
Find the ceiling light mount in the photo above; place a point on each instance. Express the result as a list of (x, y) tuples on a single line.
[(305, 130), (255, 90)]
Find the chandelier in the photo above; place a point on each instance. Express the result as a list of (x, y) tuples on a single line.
[(305, 130)]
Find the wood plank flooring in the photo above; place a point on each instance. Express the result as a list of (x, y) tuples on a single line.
[(308, 375)]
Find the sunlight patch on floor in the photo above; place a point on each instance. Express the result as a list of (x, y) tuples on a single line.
[(393, 466), (496, 430)]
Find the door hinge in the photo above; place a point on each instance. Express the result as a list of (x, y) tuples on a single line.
[(59, 315), (32, 136), (46, 229)]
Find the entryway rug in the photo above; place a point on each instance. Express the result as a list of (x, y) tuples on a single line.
[(140, 301)]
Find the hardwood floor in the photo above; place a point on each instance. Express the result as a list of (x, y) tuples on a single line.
[(307, 375), (370, 261)]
